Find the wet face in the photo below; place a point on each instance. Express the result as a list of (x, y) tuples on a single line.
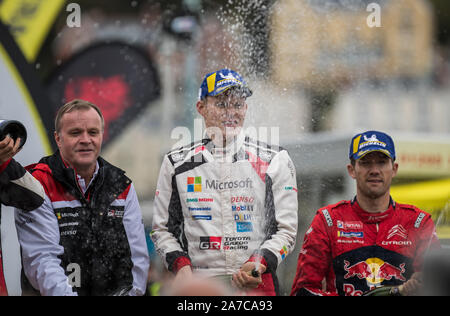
[(80, 139), (373, 174), (224, 115)]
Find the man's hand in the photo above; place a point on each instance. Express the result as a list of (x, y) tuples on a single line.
[(183, 274), (411, 286), (243, 279), (8, 149)]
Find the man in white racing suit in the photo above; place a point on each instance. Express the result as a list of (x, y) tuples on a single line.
[(226, 205)]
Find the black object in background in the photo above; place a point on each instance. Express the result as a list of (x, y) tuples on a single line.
[(120, 79)]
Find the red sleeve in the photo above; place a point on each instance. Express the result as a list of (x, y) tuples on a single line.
[(180, 262), (258, 258), (428, 241), (4, 165), (314, 260)]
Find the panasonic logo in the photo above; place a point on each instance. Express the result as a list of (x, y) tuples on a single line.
[(237, 184)]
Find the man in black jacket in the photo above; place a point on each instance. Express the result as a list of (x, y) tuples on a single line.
[(17, 188), (88, 236)]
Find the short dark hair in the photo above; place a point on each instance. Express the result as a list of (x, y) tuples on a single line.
[(75, 105)]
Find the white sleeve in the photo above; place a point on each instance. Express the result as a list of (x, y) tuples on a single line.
[(18, 188), (134, 227), (38, 234), (166, 216), (285, 203)]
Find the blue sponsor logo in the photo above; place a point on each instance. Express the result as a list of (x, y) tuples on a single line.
[(242, 217), (351, 234), (244, 227), (201, 217), (241, 208), (199, 209)]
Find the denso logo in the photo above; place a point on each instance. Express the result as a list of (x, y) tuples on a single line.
[(237, 184), (242, 199)]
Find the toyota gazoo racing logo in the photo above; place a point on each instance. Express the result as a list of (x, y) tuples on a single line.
[(375, 271)]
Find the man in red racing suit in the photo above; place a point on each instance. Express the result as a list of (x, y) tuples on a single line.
[(356, 251), (354, 246)]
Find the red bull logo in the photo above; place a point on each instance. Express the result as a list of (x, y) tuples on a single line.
[(374, 270)]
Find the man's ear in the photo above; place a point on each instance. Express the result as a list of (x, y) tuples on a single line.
[(395, 168), (57, 138), (201, 107), (245, 106), (351, 170)]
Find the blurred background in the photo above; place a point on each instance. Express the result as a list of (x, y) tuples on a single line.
[(320, 70)]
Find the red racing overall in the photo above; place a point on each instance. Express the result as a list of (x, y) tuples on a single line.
[(355, 251)]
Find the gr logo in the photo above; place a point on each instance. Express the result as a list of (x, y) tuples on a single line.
[(210, 243)]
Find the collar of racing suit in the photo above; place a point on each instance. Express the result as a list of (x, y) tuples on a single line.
[(229, 150), (370, 218), (108, 176)]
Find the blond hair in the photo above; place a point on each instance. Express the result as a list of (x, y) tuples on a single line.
[(76, 105)]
